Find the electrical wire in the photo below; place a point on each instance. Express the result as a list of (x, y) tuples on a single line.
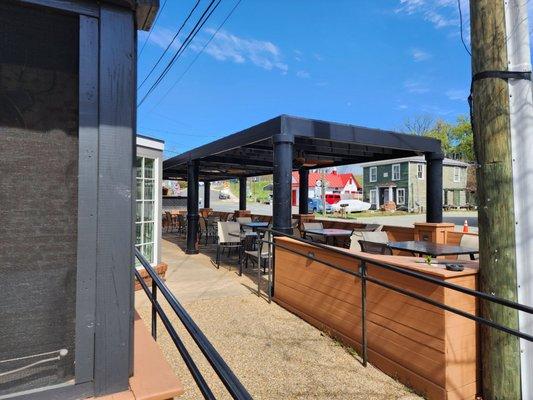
[(201, 22), (170, 44), (153, 26), (461, 25), (199, 53)]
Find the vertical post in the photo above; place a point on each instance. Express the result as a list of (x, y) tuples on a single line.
[(500, 353), (242, 193), (364, 342), (154, 310), (434, 187), (521, 121), (192, 207), (207, 194), (282, 210), (303, 197)]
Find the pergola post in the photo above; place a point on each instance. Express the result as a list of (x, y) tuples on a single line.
[(303, 197), (242, 193), (207, 194), (434, 187), (282, 160), (192, 207)]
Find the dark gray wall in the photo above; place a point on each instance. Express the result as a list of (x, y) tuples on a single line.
[(38, 193)]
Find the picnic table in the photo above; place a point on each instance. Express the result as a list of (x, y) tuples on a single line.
[(418, 247), (329, 233)]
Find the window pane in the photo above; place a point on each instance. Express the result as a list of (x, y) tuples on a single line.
[(149, 211), (148, 252), (139, 213), (148, 168), (137, 262), (139, 189), (138, 233), (148, 232), (139, 166), (148, 189)]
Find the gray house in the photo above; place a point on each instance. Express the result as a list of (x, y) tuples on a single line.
[(403, 181)]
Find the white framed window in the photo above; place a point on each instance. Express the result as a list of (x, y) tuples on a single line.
[(373, 174), (456, 174), (400, 196), (146, 207), (374, 196), (420, 171), (395, 172)]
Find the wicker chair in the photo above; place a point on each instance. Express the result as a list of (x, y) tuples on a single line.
[(375, 248), (252, 254), (207, 229), (227, 241)]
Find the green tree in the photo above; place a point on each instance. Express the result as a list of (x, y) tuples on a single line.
[(456, 138)]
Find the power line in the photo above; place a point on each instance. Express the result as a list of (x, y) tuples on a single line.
[(153, 26), (199, 53), (170, 44), (461, 23), (201, 22)]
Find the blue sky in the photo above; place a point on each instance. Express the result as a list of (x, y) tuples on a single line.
[(364, 62)]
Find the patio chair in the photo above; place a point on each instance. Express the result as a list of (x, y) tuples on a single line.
[(375, 247), (207, 229), (244, 220), (230, 217), (182, 224), (253, 254), (376, 237), (227, 241), (171, 221), (373, 227), (470, 241), (311, 236)]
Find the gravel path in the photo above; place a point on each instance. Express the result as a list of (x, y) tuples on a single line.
[(275, 354)]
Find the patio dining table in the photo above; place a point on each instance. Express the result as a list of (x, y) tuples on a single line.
[(432, 249), (330, 233), (255, 225)]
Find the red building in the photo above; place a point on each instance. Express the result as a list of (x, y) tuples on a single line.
[(338, 186)]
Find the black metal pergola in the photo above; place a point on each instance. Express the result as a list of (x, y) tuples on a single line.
[(284, 144)]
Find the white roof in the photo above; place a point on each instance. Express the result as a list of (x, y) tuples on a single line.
[(415, 159), (150, 142)]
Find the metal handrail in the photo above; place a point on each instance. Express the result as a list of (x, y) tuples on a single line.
[(362, 274), (226, 375)]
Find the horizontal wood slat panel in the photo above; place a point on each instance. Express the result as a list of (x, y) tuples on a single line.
[(432, 350)]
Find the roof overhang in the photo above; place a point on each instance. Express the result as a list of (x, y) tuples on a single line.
[(316, 144)]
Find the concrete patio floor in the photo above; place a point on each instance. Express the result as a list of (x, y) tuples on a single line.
[(275, 354)]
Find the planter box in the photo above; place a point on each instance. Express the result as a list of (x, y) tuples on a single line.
[(161, 270)]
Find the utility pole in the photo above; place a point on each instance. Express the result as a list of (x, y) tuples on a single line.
[(323, 194), (501, 118)]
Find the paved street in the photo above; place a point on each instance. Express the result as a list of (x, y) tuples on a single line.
[(456, 217)]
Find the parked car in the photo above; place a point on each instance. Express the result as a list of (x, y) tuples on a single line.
[(351, 205), (315, 205), (223, 194)]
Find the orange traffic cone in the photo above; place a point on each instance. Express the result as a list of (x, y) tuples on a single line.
[(465, 226)]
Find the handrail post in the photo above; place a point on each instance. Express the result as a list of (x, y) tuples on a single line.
[(154, 310), (270, 251), (259, 246), (362, 271)]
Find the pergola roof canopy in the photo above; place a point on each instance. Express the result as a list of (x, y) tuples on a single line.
[(317, 144)]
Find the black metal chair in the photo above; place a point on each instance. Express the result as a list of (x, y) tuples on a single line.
[(375, 248)]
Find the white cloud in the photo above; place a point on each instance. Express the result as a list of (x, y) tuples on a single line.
[(229, 47), (303, 74), (402, 107), (440, 13), (416, 86), (226, 46), (457, 94), (420, 55)]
